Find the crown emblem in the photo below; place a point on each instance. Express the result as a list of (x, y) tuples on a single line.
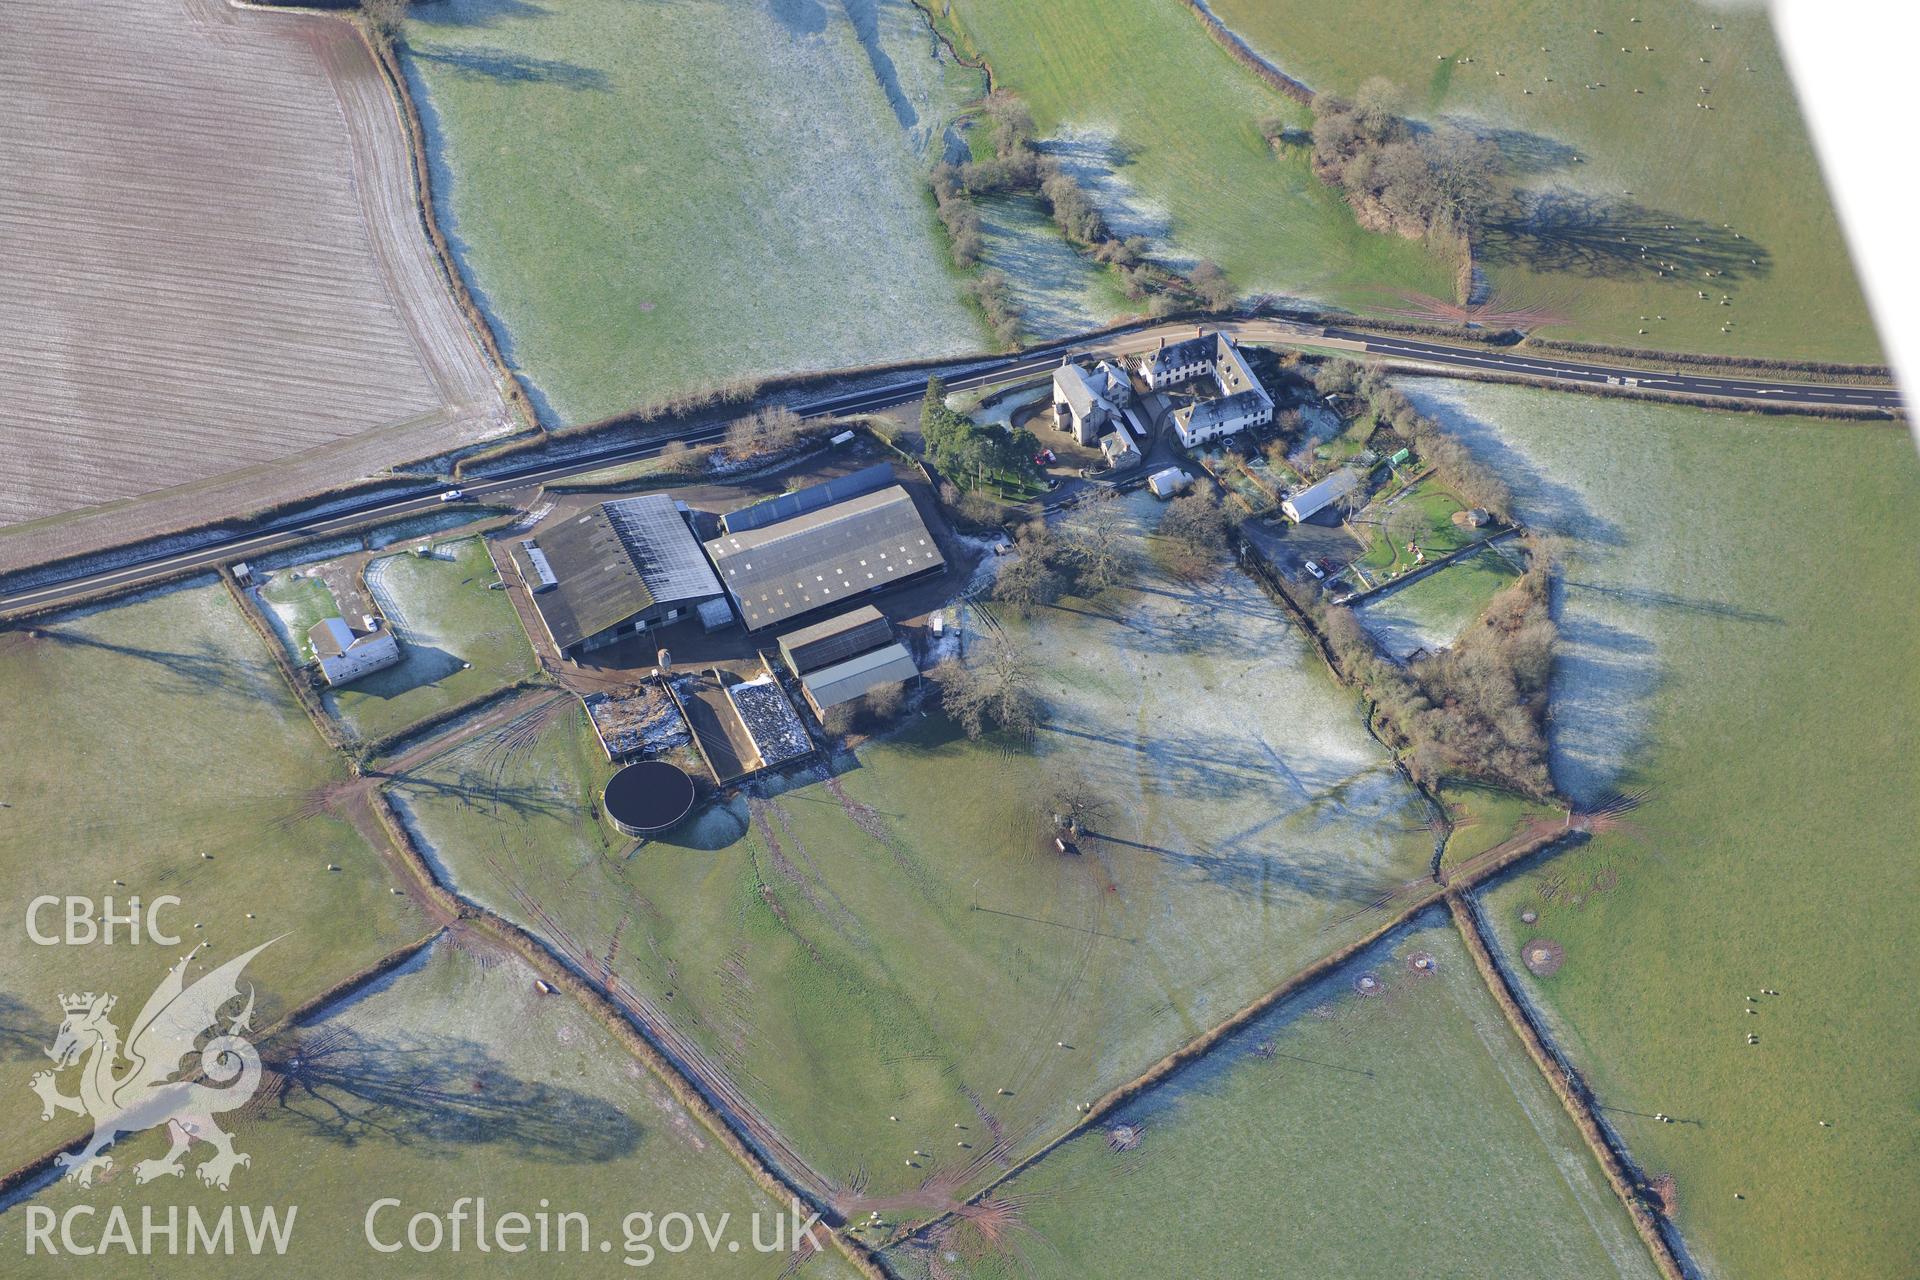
[(82, 1003)]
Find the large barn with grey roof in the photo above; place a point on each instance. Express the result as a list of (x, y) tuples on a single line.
[(825, 558), (615, 570)]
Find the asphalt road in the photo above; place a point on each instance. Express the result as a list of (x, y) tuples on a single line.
[(1038, 360), (1671, 382)]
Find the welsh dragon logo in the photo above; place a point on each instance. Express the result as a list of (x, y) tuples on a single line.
[(130, 1087)]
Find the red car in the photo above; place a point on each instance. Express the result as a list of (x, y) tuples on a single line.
[(1044, 458)]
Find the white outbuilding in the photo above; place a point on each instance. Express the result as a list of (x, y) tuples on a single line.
[(1306, 503)]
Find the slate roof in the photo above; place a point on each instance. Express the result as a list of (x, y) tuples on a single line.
[(824, 557), (1195, 419), (835, 640), (1204, 349), (812, 498), (613, 561), (1072, 384)]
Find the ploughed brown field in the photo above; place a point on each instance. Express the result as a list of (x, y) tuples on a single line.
[(214, 266)]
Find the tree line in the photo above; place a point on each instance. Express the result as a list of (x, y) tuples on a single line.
[(1018, 166), (1476, 711)]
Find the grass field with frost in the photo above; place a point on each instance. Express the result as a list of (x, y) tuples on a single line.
[(902, 939), (1403, 1132), (654, 198), (1138, 101), (454, 1077), (1739, 648), (160, 732)]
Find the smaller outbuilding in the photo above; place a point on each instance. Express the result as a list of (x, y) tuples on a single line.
[(1169, 482), (834, 640), (1306, 503), (345, 654), (846, 657), (857, 677)]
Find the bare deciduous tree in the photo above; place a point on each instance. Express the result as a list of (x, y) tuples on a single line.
[(991, 689)]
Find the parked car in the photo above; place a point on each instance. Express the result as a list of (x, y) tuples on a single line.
[(1315, 570), (1045, 458), (452, 495), (1053, 482)]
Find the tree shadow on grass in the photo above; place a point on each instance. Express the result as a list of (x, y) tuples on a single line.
[(442, 1094), (506, 67), (25, 1032), (473, 13), (865, 16), (1580, 233), (204, 666), (473, 789), (800, 17), (1523, 154)]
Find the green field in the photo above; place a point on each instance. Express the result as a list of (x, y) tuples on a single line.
[(903, 939), (1739, 644), (651, 199), (161, 731), (452, 1077), (1432, 612), (459, 639), (1637, 168), (1165, 127), (1420, 515), (1399, 1133), (1483, 817)]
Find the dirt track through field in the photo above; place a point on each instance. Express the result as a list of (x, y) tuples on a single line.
[(216, 266)]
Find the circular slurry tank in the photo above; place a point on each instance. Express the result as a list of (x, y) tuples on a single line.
[(646, 798)]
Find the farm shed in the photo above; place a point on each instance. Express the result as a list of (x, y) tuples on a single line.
[(845, 681), (812, 498), (825, 557), (614, 571), (1308, 502), (835, 640)]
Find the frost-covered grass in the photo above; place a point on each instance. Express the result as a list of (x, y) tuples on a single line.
[(1058, 291), (1660, 170), (454, 1077), (652, 198), (139, 736), (1739, 644), (905, 940), (1400, 1133), (1165, 127), (295, 602)]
